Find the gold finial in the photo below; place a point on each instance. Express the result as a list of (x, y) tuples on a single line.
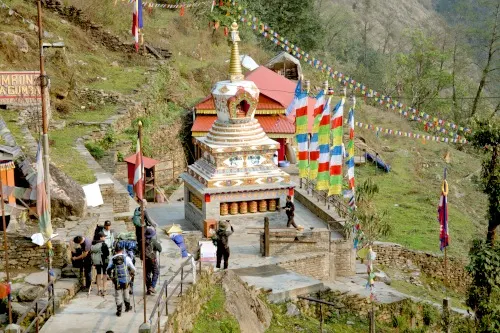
[(235, 72), (139, 123)]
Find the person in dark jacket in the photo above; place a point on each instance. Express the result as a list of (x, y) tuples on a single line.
[(290, 212), (100, 254), (148, 221), (86, 245), (222, 236), (152, 246)]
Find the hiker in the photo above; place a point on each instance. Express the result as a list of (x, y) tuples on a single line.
[(222, 239), (136, 219), (109, 233), (99, 253), (122, 270), (85, 259), (129, 246), (175, 234), (290, 212), (152, 270)]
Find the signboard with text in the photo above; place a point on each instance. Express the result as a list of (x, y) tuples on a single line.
[(20, 88)]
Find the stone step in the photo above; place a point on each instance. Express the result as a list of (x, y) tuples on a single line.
[(280, 284)]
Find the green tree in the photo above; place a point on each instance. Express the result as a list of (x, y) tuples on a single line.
[(422, 69), (483, 294), (487, 138), (295, 19)]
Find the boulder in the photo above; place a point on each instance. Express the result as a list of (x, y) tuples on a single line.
[(18, 310), (292, 310), (29, 293), (17, 41), (67, 196)]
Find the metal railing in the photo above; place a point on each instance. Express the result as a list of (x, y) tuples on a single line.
[(39, 312), (164, 295)]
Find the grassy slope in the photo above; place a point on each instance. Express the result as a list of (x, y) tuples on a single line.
[(410, 192)]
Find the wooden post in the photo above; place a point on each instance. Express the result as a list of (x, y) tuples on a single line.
[(320, 313), (266, 236), (5, 251), (446, 315), (143, 227)]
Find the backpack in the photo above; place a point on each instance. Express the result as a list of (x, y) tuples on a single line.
[(150, 252), (136, 219), (126, 236), (98, 229), (121, 270), (222, 238), (96, 254)]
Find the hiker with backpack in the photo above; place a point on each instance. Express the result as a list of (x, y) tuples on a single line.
[(221, 240), (152, 268), (99, 253), (121, 269), (136, 220), (127, 242)]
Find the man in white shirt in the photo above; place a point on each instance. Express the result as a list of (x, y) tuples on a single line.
[(110, 235)]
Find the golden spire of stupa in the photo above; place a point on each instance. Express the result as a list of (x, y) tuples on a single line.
[(235, 72)]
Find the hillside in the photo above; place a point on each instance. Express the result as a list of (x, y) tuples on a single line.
[(409, 193)]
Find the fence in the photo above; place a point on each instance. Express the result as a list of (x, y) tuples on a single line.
[(164, 295), (39, 312)]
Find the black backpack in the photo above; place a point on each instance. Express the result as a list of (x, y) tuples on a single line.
[(149, 249), (98, 229)]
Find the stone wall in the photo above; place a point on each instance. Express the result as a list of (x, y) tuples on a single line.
[(329, 217), (316, 266), (108, 161), (23, 253), (391, 254), (343, 258), (282, 242)]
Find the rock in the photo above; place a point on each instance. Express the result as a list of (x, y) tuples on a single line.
[(382, 277), (18, 310), (58, 124), (40, 278), (115, 64), (64, 21), (292, 310), (350, 323), (17, 41), (29, 293), (73, 218), (67, 196), (251, 313)]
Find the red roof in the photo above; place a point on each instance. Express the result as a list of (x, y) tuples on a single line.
[(148, 162), (265, 103), (271, 124)]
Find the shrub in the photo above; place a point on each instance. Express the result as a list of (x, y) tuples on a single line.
[(429, 314), (95, 150)]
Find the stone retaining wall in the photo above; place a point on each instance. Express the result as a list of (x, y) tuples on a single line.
[(316, 266), (23, 253), (343, 258), (391, 254)]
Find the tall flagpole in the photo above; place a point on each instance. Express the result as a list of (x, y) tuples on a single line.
[(143, 226), (446, 247), (5, 250), (45, 128)]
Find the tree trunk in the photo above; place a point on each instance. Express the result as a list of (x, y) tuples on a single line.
[(486, 69)]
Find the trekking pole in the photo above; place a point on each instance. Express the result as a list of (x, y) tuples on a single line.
[(159, 266), (133, 300)]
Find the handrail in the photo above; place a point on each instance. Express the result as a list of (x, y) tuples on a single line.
[(164, 296), (51, 299)]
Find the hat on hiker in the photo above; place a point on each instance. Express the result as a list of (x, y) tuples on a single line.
[(223, 225), (107, 223), (150, 233)]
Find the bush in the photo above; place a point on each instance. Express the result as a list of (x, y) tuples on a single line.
[(430, 315), (95, 150), (63, 107)]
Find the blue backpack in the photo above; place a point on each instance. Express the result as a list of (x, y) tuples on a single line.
[(122, 275)]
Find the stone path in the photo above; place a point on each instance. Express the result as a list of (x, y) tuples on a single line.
[(94, 313)]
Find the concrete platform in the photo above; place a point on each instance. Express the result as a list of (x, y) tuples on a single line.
[(281, 284)]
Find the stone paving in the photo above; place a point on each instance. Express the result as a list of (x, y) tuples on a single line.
[(94, 313)]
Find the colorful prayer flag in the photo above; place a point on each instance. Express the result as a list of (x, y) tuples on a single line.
[(324, 148), (301, 123), (314, 147), (443, 216), (139, 172), (350, 148), (42, 204), (337, 154)]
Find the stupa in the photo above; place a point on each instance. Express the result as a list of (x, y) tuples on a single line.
[(235, 175)]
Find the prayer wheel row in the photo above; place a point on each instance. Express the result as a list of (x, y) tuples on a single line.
[(245, 207)]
